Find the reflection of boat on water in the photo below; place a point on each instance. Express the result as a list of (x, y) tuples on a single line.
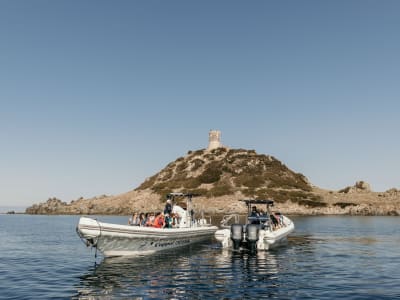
[(118, 240), (195, 272), (261, 262), (261, 232), (165, 274)]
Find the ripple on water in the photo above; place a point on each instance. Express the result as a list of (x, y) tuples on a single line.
[(326, 258)]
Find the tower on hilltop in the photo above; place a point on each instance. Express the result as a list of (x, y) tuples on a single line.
[(214, 139)]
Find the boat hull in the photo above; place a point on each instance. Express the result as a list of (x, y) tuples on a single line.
[(121, 240)]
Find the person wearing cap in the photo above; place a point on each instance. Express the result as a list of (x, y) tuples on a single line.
[(168, 207)]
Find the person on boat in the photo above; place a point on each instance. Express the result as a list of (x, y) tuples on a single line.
[(150, 220), (254, 215), (168, 207), (274, 221), (159, 221), (254, 212), (263, 218), (168, 221), (134, 220), (174, 219), (130, 219), (142, 219), (146, 218), (279, 216)]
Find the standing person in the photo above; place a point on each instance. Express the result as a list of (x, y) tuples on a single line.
[(254, 212), (168, 207), (255, 216)]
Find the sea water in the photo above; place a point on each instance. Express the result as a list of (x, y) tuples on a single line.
[(41, 257)]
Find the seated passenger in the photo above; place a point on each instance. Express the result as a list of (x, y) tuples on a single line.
[(159, 221), (146, 219), (150, 220), (274, 221), (263, 214), (175, 219), (134, 220), (142, 219), (279, 216), (263, 217)]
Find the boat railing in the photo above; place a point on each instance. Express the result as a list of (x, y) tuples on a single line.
[(203, 221), (227, 220)]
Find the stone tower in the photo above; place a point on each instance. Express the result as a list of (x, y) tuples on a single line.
[(214, 139)]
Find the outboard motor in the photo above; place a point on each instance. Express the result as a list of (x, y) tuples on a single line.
[(236, 235), (252, 236)]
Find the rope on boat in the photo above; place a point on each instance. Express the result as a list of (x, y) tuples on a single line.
[(81, 236), (86, 241), (97, 240)]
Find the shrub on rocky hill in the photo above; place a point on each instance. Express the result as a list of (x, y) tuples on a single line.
[(222, 172)]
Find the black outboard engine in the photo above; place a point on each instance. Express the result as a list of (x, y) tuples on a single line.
[(236, 235), (252, 236)]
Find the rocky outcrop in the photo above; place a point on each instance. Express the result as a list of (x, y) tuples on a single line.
[(360, 186), (222, 172), (361, 201), (51, 206)]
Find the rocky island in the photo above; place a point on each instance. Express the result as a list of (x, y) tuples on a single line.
[(221, 176)]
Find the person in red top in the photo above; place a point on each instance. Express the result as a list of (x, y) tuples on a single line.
[(159, 221)]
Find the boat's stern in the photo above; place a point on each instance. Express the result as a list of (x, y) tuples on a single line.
[(254, 236)]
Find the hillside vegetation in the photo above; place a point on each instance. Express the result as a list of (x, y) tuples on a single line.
[(223, 172)]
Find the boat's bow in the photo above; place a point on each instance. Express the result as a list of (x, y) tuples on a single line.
[(88, 229)]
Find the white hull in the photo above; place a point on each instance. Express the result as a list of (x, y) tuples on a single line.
[(267, 238), (119, 240)]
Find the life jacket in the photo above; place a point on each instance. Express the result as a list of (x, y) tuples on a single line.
[(159, 221)]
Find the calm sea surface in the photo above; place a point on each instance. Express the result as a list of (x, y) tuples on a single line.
[(41, 257)]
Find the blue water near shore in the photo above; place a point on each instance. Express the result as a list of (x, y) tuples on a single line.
[(41, 257)]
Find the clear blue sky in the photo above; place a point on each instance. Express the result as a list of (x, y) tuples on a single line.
[(95, 96)]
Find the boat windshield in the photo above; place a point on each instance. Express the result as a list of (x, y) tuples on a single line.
[(251, 204), (255, 215)]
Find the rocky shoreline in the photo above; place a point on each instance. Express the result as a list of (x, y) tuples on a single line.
[(355, 200)]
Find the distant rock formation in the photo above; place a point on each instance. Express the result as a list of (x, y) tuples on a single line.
[(359, 186), (51, 206), (362, 185)]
